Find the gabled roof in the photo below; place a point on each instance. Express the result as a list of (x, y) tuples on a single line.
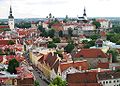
[(103, 65), (51, 60), (91, 53), (86, 77), (108, 75), (83, 64), (55, 66)]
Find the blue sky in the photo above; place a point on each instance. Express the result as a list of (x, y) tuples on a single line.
[(60, 8)]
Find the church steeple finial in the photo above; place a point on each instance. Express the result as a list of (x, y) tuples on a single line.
[(11, 16), (11, 19), (84, 14)]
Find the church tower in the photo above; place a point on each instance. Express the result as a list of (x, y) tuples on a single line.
[(11, 20), (84, 14)]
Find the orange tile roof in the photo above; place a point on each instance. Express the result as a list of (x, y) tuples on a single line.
[(84, 84), (4, 26), (57, 27), (86, 77), (103, 65), (103, 33), (4, 42), (83, 64), (91, 53)]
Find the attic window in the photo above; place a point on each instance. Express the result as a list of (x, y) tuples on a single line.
[(81, 55), (99, 56)]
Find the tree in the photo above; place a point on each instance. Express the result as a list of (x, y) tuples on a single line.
[(51, 33), (109, 35), (115, 38), (69, 48), (97, 24), (40, 27), (85, 41), (44, 34), (56, 40), (52, 45), (36, 83), (118, 42), (90, 44), (23, 25), (95, 36), (114, 53), (61, 33), (12, 65), (11, 42), (58, 82)]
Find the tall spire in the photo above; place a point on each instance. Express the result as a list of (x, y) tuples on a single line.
[(84, 14), (11, 16)]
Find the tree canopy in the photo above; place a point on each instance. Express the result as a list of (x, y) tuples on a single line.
[(69, 47), (51, 33), (58, 82), (56, 40), (52, 45), (114, 53), (97, 24), (23, 25), (61, 33), (12, 65)]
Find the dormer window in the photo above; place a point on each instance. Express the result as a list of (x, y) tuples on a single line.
[(81, 55), (99, 56)]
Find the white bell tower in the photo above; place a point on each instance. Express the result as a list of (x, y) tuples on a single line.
[(11, 20)]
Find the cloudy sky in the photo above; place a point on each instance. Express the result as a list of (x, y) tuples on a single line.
[(60, 8)]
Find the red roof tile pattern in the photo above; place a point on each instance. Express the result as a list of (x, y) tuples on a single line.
[(91, 53), (103, 65), (83, 64), (108, 75), (86, 77), (4, 42), (4, 26), (58, 27), (1, 59), (84, 84)]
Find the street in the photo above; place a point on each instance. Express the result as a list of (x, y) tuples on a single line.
[(38, 75)]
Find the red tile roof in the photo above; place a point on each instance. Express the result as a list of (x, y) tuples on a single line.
[(83, 64), (108, 75), (1, 59), (86, 77), (58, 27), (103, 33), (4, 26), (103, 65), (84, 84), (91, 53), (101, 20), (4, 42)]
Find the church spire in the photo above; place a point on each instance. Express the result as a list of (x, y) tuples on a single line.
[(11, 16), (84, 14)]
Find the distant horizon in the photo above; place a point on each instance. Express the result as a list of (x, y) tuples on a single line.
[(58, 17)]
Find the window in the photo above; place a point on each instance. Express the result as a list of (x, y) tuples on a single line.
[(117, 80), (114, 81), (103, 82), (109, 81), (106, 82)]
